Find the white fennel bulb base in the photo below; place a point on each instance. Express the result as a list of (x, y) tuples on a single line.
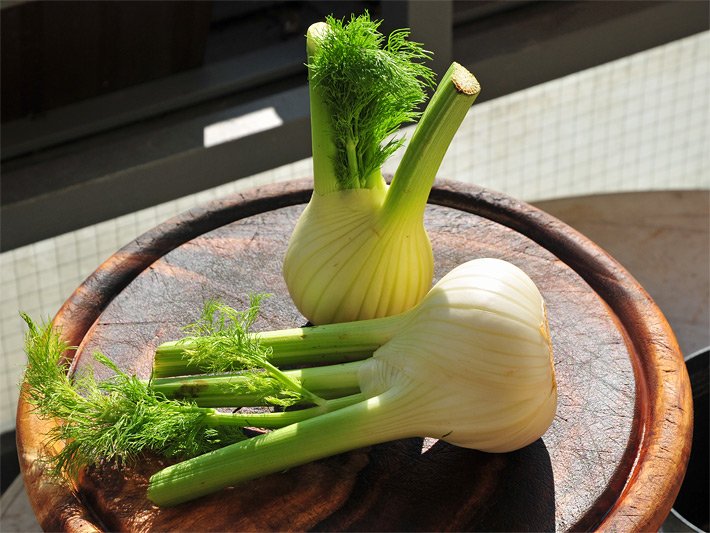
[(489, 383), (347, 262)]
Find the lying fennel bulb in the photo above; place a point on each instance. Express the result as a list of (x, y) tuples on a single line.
[(471, 365), (360, 249)]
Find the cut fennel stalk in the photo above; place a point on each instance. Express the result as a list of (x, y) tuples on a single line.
[(237, 390), (360, 249), (471, 365)]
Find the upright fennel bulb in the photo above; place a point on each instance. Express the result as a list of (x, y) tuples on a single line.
[(360, 249), (471, 365), (347, 262)]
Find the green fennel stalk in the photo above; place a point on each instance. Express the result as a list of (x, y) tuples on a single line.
[(239, 390), (416, 172), (363, 87), (329, 434), (219, 338)]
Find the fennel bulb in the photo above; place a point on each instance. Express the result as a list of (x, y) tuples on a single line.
[(481, 337), (471, 364), (360, 249), (347, 262)]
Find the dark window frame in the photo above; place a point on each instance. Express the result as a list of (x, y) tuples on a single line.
[(139, 146)]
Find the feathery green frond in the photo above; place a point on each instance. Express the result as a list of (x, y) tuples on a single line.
[(221, 340), (371, 85), (115, 419)]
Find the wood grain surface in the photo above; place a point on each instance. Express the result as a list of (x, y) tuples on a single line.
[(663, 239), (613, 459)]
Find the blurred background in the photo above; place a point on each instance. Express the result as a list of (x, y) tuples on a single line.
[(117, 115)]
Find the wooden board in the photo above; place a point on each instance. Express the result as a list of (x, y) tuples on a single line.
[(613, 458), (663, 239)]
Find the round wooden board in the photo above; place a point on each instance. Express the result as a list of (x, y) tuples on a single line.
[(614, 457)]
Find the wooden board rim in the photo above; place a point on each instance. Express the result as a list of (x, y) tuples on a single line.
[(662, 383)]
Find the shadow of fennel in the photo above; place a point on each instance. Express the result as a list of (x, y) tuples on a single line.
[(449, 488)]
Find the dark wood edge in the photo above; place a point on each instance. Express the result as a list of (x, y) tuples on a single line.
[(661, 378), (663, 399)]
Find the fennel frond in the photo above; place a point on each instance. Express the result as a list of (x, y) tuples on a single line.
[(221, 340), (371, 85), (116, 419)]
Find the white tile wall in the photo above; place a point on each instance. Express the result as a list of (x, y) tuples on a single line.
[(638, 123), (642, 122)]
